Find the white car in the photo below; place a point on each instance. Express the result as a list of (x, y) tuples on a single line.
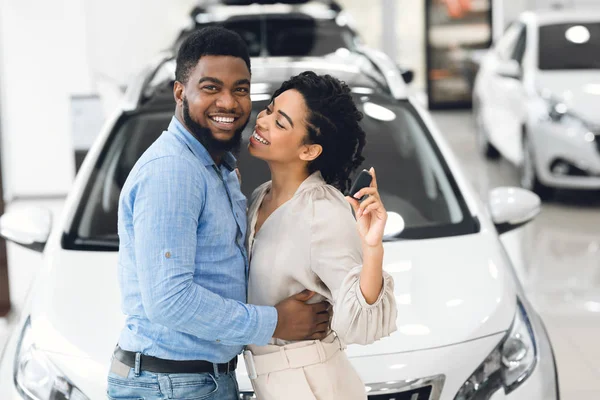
[(537, 96), (465, 328)]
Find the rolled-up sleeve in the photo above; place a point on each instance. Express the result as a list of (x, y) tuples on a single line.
[(169, 195), (336, 258)]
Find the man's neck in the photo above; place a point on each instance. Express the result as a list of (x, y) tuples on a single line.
[(217, 156)]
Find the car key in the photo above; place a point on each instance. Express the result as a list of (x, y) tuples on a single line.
[(362, 181)]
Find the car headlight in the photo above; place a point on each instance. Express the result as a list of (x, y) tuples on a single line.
[(508, 366), (36, 377)]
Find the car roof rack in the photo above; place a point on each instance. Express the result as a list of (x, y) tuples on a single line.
[(388, 69), (162, 69)]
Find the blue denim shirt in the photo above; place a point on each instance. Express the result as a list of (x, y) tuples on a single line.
[(183, 265)]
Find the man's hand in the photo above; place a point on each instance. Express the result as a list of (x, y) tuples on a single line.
[(300, 321)]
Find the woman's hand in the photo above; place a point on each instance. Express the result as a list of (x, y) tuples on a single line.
[(371, 215)]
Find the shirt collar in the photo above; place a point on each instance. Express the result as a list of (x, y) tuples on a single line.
[(177, 128), (314, 180)]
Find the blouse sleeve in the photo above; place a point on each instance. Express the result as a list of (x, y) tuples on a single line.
[(336, 258)]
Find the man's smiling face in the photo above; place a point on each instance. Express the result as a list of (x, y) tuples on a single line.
[(215, 101)]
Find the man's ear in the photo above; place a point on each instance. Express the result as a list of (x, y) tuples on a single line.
[(310, 152), (178, 90)]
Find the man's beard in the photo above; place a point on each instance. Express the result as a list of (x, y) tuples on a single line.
[(205, 136)]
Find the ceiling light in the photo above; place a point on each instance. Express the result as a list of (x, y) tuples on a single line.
[(378, 112)]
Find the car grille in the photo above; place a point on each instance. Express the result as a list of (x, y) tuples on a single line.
[(410, 389), (423, 393)]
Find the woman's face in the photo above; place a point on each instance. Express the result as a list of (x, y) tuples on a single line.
[(281, 129)]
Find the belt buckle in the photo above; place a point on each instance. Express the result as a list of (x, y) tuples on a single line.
[(250, 365)]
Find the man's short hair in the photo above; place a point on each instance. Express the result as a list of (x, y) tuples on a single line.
[(209, 41)]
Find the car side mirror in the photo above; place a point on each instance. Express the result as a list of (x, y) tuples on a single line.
[(408, 75), (393, 226), (28, 227), (509, 69), (512, 207)]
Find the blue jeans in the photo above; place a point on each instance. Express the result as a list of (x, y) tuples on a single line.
[(154, 386)]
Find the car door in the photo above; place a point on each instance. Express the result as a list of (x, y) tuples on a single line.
[(506, 110)]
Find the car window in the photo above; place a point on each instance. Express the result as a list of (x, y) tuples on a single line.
[(520, 46), (414, 181), (569, 46)]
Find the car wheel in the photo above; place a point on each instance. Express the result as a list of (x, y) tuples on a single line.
[(528, 174), (485, 147)]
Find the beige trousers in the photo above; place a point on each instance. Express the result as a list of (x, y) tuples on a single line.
[(308, 370)]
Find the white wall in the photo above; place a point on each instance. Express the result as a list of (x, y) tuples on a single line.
[(38, 70), (53, 50), (124, 35), (410, 34)]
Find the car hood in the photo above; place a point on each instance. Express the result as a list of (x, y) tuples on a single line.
[(448, 291), (579, 90)]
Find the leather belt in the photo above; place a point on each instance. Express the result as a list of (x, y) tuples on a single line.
[(161, 366)]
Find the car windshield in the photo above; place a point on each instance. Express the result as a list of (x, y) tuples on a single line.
[(413, 179), (569, 46), (289, 35)]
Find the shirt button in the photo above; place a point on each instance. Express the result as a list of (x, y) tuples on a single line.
[(168, 254), (218, 340)]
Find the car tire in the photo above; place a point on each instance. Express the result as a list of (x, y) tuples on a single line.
[(528, 175), (483, 143)]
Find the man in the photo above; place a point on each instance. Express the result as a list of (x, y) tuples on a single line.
[(183, 265)]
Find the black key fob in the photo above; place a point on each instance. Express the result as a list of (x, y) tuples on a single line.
[(362, 181)]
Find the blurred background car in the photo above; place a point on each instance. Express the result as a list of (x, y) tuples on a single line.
[(536, 100), (281, 28)]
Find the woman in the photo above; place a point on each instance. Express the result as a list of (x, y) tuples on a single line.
[(302, 235)]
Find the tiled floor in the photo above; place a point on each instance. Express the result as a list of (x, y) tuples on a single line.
[(560, 266)]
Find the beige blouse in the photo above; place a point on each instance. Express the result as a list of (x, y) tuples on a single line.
[(312, 242)]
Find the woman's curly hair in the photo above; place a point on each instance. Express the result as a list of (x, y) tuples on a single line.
[(333, 123)]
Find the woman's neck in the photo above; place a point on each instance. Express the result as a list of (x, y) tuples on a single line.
[(285, 181)]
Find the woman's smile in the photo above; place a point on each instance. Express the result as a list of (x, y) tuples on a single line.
[(257, 137)]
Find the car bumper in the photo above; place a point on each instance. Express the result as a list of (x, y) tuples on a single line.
[(552, 144), (454, 364)]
